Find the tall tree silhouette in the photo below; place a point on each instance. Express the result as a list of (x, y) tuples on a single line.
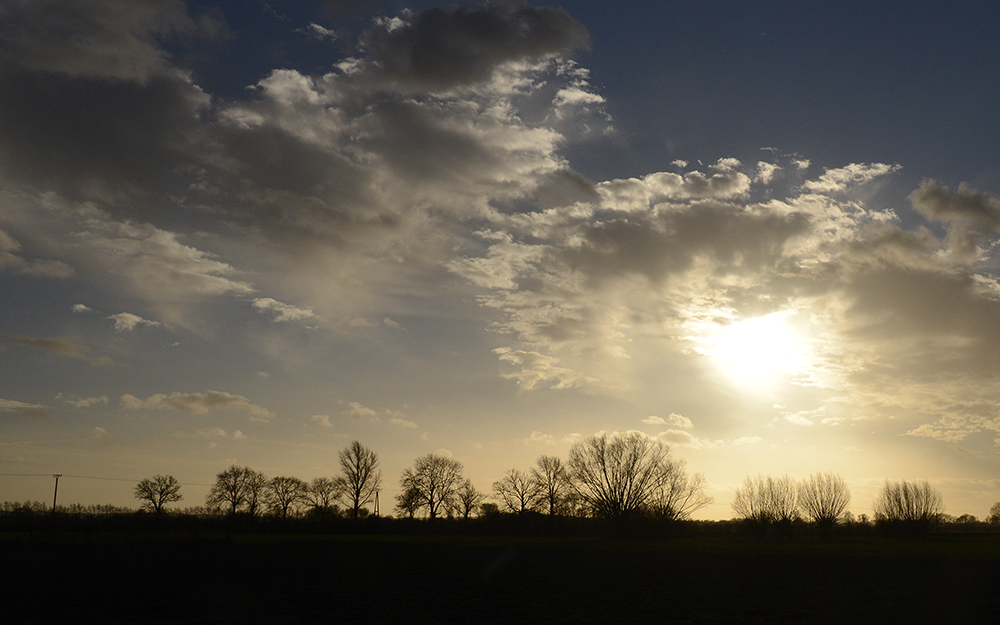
[(553, 481), (361, 476)]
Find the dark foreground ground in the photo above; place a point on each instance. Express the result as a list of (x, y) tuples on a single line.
[(451, 580)]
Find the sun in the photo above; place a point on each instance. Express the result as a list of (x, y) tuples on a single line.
[(758, 352)]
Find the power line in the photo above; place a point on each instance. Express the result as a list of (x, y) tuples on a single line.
[(91, 477)]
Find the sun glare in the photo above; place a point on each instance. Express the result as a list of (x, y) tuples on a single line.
[(758, 352)]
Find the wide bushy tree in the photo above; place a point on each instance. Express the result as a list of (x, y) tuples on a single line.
[(238, 489), (766, 499), (433, 482), (517, 491), (285, 495), (823, 497), (628, 475), (908, 507), (157, 491)]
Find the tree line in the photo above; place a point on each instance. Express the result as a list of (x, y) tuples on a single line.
[(621, 477)]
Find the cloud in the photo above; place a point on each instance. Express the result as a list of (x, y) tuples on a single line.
[(685, 439), (356, 410), (23, 409), (321, 420), (80, 308), (126, 322), (840, 179), (446, 47), (64, 348), (283, 312), (9, 261), (938, 202), (84, 402), (535, 370), (192, 432), (197, 403), (114, 39), (674, 419)]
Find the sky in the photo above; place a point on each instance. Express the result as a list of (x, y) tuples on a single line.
[(252, 232)]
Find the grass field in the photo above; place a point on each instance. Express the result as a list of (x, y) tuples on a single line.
[(395, 579)]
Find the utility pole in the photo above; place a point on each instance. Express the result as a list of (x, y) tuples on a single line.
[(56, 492), (376, 503)]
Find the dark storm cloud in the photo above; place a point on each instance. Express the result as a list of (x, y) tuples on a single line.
[(446, 47), (937, 201), (92, 106), (106, 39), (95, 137)]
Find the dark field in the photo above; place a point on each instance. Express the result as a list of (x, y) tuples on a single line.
[(510, 580)]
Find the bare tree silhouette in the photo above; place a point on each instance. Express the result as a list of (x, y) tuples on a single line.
[(679, 496), (157, 491), (621, 476), (553, 481), (239, 489), (361, 477), (229, 490), (823, 497), (256, 486), (994, 516), (518, 491), (766, 500), (285, 494), (435, 481), (322, 493), (408, 502), (468, 499), (908, 507)]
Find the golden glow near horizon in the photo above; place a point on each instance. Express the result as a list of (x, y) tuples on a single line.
[(758, 352)]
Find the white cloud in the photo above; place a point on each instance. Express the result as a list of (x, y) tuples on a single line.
[(197, 403), (321, 420), (86, 402), (80, 308), (283, 312), (126, 322), (685, 439), (839, 179), (535, 370), (674, 419), (23, 409), (402, 423)]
